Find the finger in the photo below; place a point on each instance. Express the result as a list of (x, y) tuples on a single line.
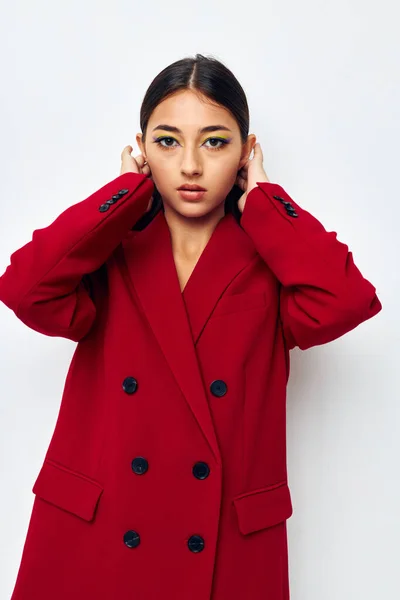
[(258, 152), (140, 160), (146, 170), (126, 152), (241, 183)]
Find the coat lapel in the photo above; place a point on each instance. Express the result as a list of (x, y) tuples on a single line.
[(228, 252), (177, 319)]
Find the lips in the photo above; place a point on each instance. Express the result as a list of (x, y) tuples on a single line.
[(191, 194), (192, 187)]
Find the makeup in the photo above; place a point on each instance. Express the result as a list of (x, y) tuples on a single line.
[(191, 195)]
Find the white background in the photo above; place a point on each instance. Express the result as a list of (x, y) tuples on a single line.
[(322, 81)]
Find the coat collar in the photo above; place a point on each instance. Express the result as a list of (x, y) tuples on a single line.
[(178, 319)]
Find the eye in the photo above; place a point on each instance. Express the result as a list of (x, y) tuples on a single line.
[(221, 141), (161, 139)]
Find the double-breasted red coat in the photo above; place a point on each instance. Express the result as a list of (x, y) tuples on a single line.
[(166, 474)]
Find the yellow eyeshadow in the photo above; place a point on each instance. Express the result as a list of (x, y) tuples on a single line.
[(217, 137)]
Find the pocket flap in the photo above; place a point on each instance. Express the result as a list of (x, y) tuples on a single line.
[(67, 489), (263, 508)]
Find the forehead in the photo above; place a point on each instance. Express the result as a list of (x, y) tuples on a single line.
[(188, 110)]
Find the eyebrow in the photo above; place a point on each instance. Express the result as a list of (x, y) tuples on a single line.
[(203, 130)]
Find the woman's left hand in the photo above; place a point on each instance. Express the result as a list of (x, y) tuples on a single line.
[(249, 174)]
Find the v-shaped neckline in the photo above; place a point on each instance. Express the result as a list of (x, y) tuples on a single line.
[(201, 258), (152, 270)]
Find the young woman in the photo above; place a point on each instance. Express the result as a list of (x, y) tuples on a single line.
[(185, 281)]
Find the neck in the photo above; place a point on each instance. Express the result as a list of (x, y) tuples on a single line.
[(189, 235)]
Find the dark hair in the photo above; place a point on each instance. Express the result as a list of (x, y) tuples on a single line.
[(212, 79)]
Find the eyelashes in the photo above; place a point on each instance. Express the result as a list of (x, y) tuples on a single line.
[(223, 142)]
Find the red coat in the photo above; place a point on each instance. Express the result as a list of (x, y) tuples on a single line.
[(166, 473)]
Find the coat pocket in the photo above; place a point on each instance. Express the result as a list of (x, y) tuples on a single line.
[(237, 302), (68, 490), (263, 508)]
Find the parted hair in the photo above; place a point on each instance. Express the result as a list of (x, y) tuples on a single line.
[(211, 78)]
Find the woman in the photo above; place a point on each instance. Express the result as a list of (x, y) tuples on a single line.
[(166, 473)]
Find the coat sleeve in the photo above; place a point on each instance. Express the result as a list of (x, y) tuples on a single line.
[(46, 282), (323, 295)]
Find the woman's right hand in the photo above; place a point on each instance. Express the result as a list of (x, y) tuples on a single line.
[(134, 165)]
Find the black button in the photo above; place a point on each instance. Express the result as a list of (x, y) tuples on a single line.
[(201, 470), (104, 207), (292, 213), (290, 208), (129, 385), (139, 465), (132, 539), (113, 199), (218, 388), (279, 198), (123, 192), (196, 543)]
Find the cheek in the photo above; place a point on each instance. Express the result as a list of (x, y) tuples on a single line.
[(161, 171), (226, 171), (230, 163), (159, 165), (162, 174)]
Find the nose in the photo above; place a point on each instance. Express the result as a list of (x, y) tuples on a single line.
[(191, 163)]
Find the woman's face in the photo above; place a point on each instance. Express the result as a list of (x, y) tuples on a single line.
[(210, 159)]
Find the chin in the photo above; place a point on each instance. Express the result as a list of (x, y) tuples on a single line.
[(199, 208), (196, 209)]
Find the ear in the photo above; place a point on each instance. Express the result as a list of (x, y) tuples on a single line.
[(139, 138), (246, 150)]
